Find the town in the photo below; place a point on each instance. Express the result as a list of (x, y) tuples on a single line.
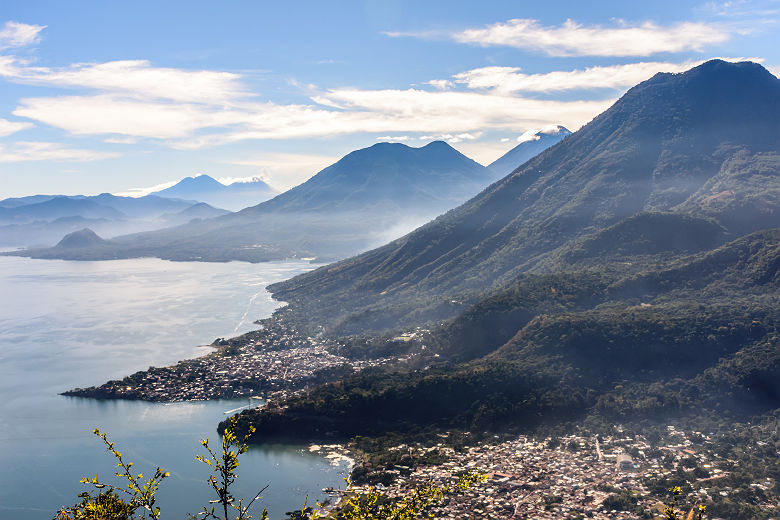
[(619, 475), (574, 476), (269, 362)]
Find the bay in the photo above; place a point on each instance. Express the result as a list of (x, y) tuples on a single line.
[(68, 324)]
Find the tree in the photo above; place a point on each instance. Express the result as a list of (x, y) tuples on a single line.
[(109, 502), (136, 499), (224, 468)]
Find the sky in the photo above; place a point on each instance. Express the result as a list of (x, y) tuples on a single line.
[(123, 97)]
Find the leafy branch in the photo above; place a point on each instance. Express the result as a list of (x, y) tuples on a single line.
[(373, 505), (109, 502), (136, 500), (671, 514), (224, 466)]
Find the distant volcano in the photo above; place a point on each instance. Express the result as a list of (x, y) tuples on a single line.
[(203, 188), (528, 149)]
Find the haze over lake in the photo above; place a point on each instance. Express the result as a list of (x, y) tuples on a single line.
[(68, 324)]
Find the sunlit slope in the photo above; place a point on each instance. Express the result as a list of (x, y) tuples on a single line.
[(704, 144)]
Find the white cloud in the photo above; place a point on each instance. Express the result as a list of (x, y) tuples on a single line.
[(383, 112), (532, 134), (227, 181), (774, 69), (394, 138), (452, 139), (575, 39), (133, 78), (458, 112), (132, 99), (440, 84), (508, 79), (11, 127), (285, 170), (15, 34), (391, 111), (106, 114), (487, 152), (23, 151), (754, 10), (550, 129), (483, 152), (528, 135), (120, 140), (140, 192)]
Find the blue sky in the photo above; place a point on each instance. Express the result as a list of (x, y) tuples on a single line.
[(123, 96)]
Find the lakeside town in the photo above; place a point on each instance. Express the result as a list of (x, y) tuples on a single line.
[(619, 476), (575, 476), (265, 363)]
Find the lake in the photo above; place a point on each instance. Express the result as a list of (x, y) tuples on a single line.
[(68, 324)]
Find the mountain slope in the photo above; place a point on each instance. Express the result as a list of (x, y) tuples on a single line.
[(526, 150), (14, 202), (81, 238), (366, 198), (146, 207), (387, 174), (58, 207), (704, 143), (41, 220), (200, 210), (695, 337)]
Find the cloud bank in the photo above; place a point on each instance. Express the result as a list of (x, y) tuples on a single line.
[(125, 101), (575, 39), (24, 151)]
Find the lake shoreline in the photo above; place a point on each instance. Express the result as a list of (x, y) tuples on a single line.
[(68, 322), (273, 361)]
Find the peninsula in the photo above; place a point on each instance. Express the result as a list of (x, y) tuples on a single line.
[(275, 359)]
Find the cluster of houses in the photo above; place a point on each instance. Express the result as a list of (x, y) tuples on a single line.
[(575, 476), (274, 360)]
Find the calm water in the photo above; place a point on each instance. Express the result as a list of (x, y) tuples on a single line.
[(67, 324)]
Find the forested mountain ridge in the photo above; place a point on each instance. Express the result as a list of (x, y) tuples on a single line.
[(633, 277), (704, 144), (699, 336)]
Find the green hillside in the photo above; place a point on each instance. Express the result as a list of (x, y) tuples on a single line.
[(630, 272), (699, 337)]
